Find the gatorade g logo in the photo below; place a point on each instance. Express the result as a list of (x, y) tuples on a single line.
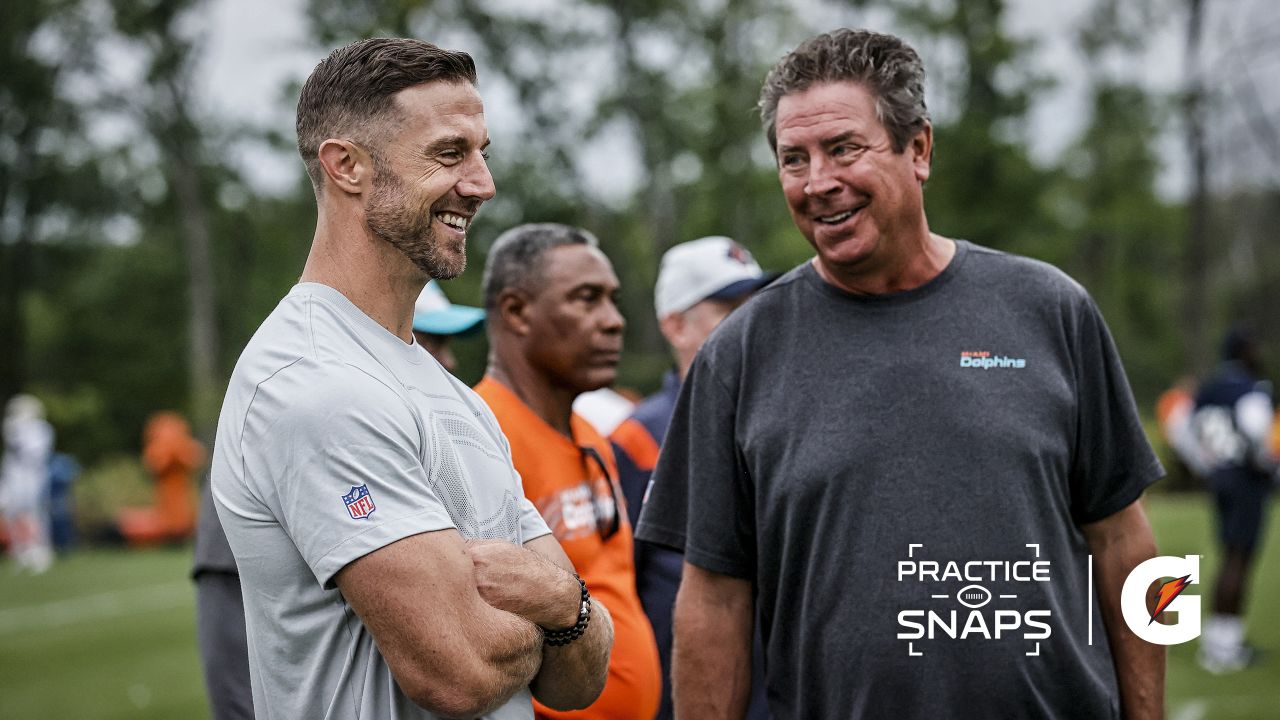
[(1168, 597)]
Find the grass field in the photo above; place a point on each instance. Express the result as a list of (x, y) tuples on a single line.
[(111, 634)]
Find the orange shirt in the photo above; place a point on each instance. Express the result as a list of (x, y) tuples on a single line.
[(571, 492)]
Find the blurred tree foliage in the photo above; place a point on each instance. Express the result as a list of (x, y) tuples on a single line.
[(52, 181), (105, 291), (98, 308)]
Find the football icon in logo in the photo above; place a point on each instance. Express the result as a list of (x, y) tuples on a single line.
[(973, 596)]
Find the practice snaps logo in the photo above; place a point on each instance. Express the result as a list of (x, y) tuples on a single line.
[(983, 614), (1167, 598), (984, 360)]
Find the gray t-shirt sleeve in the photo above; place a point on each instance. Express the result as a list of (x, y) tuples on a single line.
[(701, 498), (307, 454), (1113, 460), (532, 525)]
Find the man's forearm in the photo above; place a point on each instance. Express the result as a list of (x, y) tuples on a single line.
[(573, 675), (1119, 544), (537, 583), (449, 650), (711, 667), (512, 652)]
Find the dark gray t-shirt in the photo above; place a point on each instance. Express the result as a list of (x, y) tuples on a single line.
[(904, 478)]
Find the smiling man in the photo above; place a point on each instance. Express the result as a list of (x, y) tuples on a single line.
[(554, 333), (389, 563), (902, 397)]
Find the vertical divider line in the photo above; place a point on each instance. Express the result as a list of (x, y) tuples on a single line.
[(1090, 600)]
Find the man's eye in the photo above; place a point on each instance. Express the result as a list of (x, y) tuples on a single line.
[(484, 154), (791, 160)]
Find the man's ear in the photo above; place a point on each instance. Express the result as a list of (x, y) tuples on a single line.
[(921, 149), (672, 327), (513, 311), (347, 165)]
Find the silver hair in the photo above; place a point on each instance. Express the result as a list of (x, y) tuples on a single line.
[(889, 68), (515, 259)]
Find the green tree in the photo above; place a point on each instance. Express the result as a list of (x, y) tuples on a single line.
[(52, 188)]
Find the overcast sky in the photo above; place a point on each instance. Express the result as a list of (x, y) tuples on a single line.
[(253, 49)]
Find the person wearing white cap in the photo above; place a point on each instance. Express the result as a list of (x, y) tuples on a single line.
[(436, 321), (699, 283), (24, 481)]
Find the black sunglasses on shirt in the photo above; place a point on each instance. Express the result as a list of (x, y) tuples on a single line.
[(608, 514)]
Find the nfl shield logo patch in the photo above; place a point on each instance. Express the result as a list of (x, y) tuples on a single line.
[(359, 502)]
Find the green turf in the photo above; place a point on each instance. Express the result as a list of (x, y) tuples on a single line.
[(104, 634), (1184, 526), (111, 634)]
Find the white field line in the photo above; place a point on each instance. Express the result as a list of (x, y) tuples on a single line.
[(1192, 710), (102, 606)]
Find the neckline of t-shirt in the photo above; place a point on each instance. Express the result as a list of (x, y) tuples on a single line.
[(534, 419), (810, 273), (412, 353)]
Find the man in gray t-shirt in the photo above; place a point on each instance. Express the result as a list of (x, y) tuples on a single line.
[(390, 565), (902, 453), (220, 621)]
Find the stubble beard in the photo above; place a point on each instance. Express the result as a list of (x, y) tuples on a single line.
[(392, 215)]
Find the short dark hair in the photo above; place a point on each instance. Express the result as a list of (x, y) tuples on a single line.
[(517, 256), (1239, 343), (351, 93), (889, 68)]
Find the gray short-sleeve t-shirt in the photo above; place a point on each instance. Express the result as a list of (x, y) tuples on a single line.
[(336, 439), (867, 461)]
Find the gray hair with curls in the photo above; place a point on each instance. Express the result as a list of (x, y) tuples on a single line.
[(889, 68)]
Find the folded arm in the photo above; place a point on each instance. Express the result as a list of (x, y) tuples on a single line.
[(537, 583), (449, 651)]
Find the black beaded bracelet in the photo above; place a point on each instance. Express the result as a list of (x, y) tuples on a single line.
[(568, 635)]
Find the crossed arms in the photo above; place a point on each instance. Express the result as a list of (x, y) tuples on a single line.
[(459, 622)]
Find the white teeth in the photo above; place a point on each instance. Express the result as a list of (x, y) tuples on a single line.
[(454, 221), (841, 217)]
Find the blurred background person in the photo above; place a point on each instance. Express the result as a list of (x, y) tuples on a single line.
[(699, 283), (63, 471), (220, 626), (1233, 423), (1174, 410), (605, 408), (172, 456), (436, 321), (24, 482), (555, 332)]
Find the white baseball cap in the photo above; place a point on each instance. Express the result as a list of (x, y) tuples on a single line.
[(710, 267)]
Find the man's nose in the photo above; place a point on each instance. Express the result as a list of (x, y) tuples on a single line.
[(478, 182), (822, 178)]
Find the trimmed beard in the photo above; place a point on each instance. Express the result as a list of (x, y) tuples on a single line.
[(391, 215)]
